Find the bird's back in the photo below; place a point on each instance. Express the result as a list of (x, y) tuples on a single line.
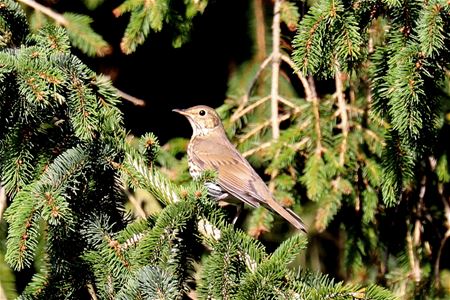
[(235, 174)]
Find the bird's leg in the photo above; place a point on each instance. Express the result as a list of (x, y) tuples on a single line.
[(238, 212)]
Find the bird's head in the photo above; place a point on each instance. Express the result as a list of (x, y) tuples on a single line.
[(203, 119)]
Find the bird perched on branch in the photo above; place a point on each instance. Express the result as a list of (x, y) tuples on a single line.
[(210, 149)]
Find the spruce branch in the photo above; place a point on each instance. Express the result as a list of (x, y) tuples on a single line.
[(14, 19), (136, 172), (23, 231), (431, 29), (78, 28)]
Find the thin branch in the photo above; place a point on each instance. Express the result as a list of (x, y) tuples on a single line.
[(342, 108), (350, 108), (246, 97), (91, 291), (275, 69), (301, 77), (290, 104), (312, 86), (447, 233), (297, 146), (135, 203), (257, 149), (134, 100), (315, 101), (319, 148), (260, 27), (262, 126), (46, 11), (2, 293), (3, 202), (273, 175), (437, 280), (413, 261), (238, 114), (266, 145)]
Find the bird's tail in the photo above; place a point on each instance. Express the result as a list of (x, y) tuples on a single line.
[(287, 214)]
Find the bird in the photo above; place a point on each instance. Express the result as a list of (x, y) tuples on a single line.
[(237, 182)]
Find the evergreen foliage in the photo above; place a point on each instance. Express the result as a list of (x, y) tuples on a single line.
[(365, 163), (145, 17), (367, 157), (64, 161)]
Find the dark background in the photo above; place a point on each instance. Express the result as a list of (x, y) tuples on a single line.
[(167, 77)]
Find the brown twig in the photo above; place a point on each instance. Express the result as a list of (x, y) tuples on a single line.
[(319, 148), (275, 69), (246, 97), (413, 261), (266, 145), (290, 104), (46, 11), (238, 114), (260, 29), (262, 126), (342, 108), (136, 205), (301, 77), (446, 235), (3, 202), (273, 175), (257, 149), (91, 291), (134, 100)]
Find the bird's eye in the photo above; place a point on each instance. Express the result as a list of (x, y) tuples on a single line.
[(202, 112)]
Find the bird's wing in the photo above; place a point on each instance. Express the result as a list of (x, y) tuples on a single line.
[(235, 174)]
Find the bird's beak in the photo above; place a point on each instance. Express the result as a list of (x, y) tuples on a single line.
[(180, 111)]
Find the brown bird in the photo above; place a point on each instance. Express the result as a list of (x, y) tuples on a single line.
[(210, 149)]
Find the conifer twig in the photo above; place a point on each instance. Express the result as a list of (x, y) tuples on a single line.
[(134, 100), (137, 208), (260, 29), (257, 149), (246, 97), (446, 235), (262, 126), (2, 293), (289, 103), (301, 77), (315, 102), (46, 11), (413, 261), (2, 201), (276, 56), (342, 108), (266, 145), (239, 113), (91, 291)]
